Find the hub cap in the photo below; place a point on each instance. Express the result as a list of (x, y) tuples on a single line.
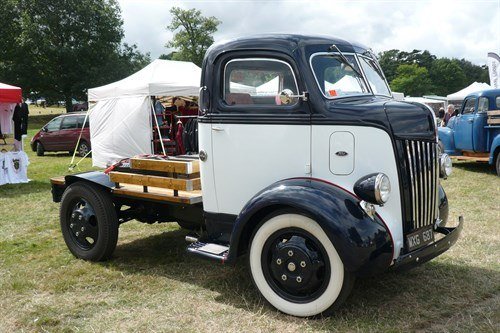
[(295, 266), (83, 225)]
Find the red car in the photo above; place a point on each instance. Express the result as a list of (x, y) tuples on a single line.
[(61, 134)]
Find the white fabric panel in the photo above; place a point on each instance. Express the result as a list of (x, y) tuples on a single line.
[(461, 94), (120, 128), (159, 78)]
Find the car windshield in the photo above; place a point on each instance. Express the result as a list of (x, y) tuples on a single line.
[(374, 75), (336, 78)]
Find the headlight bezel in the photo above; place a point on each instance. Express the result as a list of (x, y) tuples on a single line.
[(374, 188), (445, 166)]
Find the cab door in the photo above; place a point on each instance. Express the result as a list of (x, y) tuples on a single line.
[(257, 139), (464, 124)]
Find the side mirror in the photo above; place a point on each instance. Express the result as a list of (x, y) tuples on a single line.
[(44, 129), (204, 101), (286, 96)]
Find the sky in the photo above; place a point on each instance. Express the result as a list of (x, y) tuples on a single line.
[(453, 29)]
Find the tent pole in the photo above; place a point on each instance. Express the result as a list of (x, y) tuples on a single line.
[(157, 128), (78, 141)]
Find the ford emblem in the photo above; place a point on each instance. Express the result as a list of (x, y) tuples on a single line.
[(341, 153)]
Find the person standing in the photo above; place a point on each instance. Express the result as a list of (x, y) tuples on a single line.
[(449, 113)]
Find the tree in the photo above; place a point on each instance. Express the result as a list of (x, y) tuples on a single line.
[(412, 80), (193, 36), (63, 47), (447, 76)]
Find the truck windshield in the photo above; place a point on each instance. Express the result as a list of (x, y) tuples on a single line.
[(374, 76), (336, 78)]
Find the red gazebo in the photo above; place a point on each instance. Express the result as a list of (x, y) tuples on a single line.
[(10, 94)]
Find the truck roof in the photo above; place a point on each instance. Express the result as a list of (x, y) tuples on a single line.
[(286, 43), (485, 93)]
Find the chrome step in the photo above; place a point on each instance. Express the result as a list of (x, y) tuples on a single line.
[(209, 251)]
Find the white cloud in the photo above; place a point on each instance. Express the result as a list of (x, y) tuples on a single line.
[(461, 29)]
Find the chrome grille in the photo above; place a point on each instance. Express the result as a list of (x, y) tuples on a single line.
[(423, 168)]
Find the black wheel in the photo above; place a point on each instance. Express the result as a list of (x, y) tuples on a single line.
[(497, 164), (440, 148), (39, 149), (83, 148), (88, 222), (296, 268)]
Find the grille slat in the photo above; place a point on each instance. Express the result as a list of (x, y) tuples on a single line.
[(422, 164)]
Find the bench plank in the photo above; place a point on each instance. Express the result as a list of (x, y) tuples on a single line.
[(160, 194), (156, 181), (170, 165)]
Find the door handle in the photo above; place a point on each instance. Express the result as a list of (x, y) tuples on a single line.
[(470, 120), (217, 129)]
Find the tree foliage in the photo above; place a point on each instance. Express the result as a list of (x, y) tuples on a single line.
[(412, 79), (64, 47), (446, 75), (193, 34)]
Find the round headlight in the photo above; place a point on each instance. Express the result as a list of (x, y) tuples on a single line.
[(374, 188), (445, 166), (382, 188)]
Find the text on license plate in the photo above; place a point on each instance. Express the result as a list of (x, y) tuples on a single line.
[(419, 238)]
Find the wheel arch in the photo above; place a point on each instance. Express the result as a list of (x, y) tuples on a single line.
[(446, 137), (97, 178), (495, 149), (365, 245)]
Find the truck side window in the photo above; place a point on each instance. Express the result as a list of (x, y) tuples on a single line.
[(497, 102), (482, 106), (469, 106), (257, 81)]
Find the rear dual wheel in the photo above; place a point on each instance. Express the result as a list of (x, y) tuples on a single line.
[(88, 222), (296, 268)]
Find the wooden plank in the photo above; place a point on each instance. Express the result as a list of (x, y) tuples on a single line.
[(493, 113), (156, 181), (160, 194), (170, 165), (471, 158), (492, 121), (60, 180), (473, 154)]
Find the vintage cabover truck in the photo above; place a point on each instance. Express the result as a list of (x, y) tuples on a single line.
[(474, 134), (307, 166)]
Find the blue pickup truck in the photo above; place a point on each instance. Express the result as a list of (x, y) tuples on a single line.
[(474, 133)]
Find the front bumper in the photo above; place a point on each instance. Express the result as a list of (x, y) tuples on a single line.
[(430, 251)]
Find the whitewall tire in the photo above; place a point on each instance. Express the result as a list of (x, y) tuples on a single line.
[(295, 266)]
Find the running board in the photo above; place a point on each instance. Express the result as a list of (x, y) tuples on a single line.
[(209, 251)]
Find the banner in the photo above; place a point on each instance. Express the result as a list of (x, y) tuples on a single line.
[(494, 70)]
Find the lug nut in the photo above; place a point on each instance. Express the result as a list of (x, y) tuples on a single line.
[(80, 217), (77, 234), (73, 215), (83, 229), (283, 277), (71, 225), (299, 279), (290, 253), (278, 261), (302, 264)]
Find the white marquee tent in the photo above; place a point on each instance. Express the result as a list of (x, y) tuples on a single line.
[(461, 94), (121, 120)]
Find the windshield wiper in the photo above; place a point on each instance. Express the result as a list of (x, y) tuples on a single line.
[(344, 60)]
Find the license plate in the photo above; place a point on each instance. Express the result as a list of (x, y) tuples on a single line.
[(419, 238)]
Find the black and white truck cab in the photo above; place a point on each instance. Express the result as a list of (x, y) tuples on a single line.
[(308, 167)]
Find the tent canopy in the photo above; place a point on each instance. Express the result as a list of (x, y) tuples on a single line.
[(121, 122), (159, 78), (461, 94), (10, 94)]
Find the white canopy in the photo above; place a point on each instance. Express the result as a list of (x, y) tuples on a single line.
[(121, 121), (461, 94)]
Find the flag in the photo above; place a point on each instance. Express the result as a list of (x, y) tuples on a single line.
[(494, 70)]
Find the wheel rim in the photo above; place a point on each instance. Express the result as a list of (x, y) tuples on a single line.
[(295, 265), (82, 224), (83, 150)]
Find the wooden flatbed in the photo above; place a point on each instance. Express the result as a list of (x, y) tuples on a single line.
[(164, 179)]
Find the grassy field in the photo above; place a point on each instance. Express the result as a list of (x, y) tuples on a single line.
[(49, 110), (151, 285)]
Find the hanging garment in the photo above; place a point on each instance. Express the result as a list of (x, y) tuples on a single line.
[(24, 118), (16, 118), (178, 138), (185, 136), (3, 169), (6, 111), (17, 167)]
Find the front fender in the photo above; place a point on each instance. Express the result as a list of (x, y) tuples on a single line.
[(365, 245), (495, 146), (446, 137)]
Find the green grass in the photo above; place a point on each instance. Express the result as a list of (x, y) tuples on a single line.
[(152, 285)]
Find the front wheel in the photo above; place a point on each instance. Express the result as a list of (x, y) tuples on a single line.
[(39, 149), (296, 268), (83, 149), (497, 164), (88, 222)]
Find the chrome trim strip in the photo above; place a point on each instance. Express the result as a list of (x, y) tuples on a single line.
[(412, 180)]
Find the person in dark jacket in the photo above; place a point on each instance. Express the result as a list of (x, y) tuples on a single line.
[(24, 117), (17, 119)]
